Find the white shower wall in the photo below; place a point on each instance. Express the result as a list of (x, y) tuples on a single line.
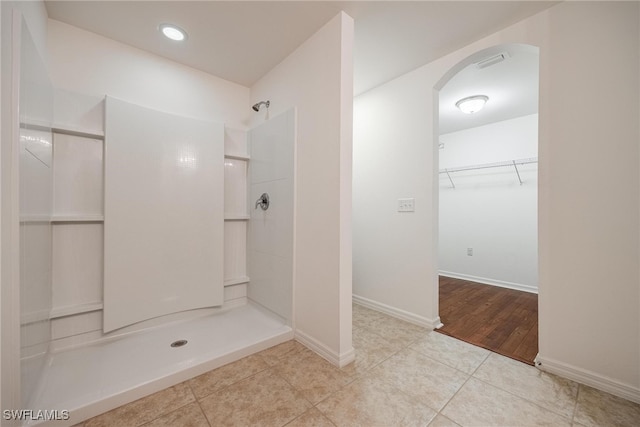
[(35, 195), (78, 229), (84, 67), (270, 255), (164, 195)]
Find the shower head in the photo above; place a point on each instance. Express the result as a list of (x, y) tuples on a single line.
[(256, 107)]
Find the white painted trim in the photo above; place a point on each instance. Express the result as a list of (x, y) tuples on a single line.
[(339, 360), (589, 378), (494, 282), (398, 313)]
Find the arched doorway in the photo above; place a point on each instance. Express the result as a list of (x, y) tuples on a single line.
[(487, 199)]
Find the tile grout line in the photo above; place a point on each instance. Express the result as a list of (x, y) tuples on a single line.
[(313, 406), (198, 401), (523, 398), (162, 415), (409, 346), (406, 347), (575, 407), (268, 367), (228, 385), (83, 423), (368, 371), (469, 376), (453, 367), (472, 375)]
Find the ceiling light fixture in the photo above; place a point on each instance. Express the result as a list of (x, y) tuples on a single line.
[(472, 104), (173, 32)]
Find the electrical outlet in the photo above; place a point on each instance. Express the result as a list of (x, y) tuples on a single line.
[(406, 205), (469, 251)]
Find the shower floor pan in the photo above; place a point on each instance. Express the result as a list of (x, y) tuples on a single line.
[(98, 377)]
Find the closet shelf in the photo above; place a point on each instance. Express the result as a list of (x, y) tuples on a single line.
[(508, 163)]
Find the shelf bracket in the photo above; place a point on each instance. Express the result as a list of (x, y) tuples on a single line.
[(517, 171), (450, 180)]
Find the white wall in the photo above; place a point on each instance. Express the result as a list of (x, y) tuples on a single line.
[(90, 64), (394, 253), (489, 210), (588, 189), (590, 210), (317, 79)]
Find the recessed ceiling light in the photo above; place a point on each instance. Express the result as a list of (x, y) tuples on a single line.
[(472, 104), (173, 32)]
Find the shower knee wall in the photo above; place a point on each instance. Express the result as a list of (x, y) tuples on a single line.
[(270, 247)]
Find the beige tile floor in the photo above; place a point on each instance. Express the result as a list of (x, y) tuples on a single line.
[(403, 376)]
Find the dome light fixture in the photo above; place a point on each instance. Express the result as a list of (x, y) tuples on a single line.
[(472, 104), (173, 32)]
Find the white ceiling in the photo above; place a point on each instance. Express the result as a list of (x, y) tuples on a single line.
[(242, 40)]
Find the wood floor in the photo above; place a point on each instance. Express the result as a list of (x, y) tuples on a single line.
[(502, 320)]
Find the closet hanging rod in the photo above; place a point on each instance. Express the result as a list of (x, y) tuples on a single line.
[(491, 165)]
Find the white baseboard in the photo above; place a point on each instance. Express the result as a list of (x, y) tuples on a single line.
[(339, 360), (398, 313), (589, 378), (494, 282)]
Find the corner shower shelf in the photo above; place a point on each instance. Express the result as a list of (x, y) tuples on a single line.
[(34, 218), (236, 281), (237, 217), (70, 310), (77, 218), (508, 163), (65, 129), (237, 157)]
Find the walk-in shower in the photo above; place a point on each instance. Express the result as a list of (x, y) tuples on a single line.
[(110, 311)]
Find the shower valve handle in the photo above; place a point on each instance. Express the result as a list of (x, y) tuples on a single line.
[(263, 202)]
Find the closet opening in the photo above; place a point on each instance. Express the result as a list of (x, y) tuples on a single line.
[(488, 201)]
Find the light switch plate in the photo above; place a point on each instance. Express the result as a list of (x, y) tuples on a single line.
[(406, 205)]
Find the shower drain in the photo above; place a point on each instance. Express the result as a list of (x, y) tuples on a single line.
[(178, 343)]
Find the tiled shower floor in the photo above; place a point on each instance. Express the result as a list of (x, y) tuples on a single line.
[(91, 379), (403, 376)]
